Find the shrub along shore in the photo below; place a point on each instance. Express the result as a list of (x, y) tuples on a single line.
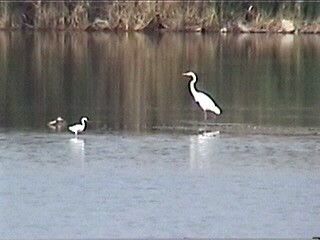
[(220, 16)]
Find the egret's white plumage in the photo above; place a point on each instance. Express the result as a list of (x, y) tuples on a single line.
[(78, 128), (203, 99)]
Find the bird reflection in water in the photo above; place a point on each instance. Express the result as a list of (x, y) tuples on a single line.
[(203, 133), (200, 151), (77, 147)]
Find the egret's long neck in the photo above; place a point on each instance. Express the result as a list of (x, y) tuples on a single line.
[(192, 86), (83, 122)]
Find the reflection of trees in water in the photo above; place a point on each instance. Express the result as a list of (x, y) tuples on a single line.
[(133, 80), (272, 78)]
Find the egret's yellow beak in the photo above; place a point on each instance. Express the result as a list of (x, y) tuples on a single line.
[(185, 74)]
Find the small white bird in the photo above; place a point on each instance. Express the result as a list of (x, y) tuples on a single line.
[(203, 99), (78, 128), (57, 124)]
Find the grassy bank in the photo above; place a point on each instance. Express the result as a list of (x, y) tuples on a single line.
[(243, 16)]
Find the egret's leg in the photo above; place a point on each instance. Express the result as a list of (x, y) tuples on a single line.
[(205, 121)]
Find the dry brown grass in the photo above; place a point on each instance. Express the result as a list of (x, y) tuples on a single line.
[(153, 14)]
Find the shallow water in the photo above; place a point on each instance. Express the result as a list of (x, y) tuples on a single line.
[(119, 185)]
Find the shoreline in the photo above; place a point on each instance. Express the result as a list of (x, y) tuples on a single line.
[(283, 27), (177, 16)]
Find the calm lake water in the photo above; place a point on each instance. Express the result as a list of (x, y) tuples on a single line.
[(124, 179)]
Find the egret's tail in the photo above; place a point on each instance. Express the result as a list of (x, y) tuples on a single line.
[(217, 110)]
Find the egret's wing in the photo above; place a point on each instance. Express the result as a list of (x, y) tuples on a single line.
[(72, 128), (207, 103)]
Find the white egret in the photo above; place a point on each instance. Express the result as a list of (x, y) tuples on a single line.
[(203, 99), (78, 128)]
